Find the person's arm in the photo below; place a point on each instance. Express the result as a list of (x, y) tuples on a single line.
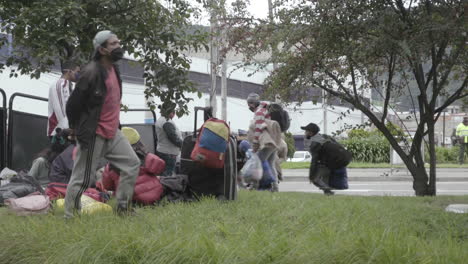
[(315, 152), (172, 135), (59, 100), (57, 171), (39, 165), (78, 98)]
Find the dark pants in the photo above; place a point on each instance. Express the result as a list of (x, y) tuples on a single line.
[(322, 177), (463, 149), (170, 163)]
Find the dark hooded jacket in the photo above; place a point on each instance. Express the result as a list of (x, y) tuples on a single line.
[(85, 103)]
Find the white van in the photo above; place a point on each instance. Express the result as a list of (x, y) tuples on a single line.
[(301, 156)]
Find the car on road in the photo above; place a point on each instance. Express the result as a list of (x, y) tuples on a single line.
[(301, 156)]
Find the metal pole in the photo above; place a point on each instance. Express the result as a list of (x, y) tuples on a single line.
[(273, 47), (325, 119), (443, 132), (270, 16), (213, 58), (224, 90)]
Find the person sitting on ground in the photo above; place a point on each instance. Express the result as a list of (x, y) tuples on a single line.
[(40, 168), (62, 166), (148, 188), (241, 142), (169, 138)]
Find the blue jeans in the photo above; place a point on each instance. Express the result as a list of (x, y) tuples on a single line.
[(170, 163), (268, 154)]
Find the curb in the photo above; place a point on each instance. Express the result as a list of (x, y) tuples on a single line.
[(378, 179)]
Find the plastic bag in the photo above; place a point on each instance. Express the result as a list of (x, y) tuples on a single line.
[(88, 205), (29, 205), (5, 175), (252, 170)]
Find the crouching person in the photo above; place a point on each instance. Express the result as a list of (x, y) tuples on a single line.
[(148, 188), (328, 157)]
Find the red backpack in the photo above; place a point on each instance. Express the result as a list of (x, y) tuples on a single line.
[(211, 144), (57, 190)]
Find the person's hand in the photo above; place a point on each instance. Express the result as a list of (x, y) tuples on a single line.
[(71, 135), (255, 147)]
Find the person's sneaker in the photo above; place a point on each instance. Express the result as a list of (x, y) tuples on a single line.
[(328, 192), (124, 212), (274, 187)]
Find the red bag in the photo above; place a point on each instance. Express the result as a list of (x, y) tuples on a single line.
[(57, 190), (148, 189), (211, 144)]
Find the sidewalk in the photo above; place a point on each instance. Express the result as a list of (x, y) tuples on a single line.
[(383, 174)]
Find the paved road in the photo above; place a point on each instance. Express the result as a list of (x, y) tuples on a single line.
[(371, 182), (455, 174), (376, 188)]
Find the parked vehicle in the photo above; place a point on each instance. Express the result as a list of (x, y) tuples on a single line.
[(301, 156)]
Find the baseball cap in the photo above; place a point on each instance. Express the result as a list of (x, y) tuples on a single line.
[(311, 127), (253, 98)]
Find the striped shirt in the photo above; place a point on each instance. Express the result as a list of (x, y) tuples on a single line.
[(261, 113)]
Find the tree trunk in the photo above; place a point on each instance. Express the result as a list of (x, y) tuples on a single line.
[(432, 158)]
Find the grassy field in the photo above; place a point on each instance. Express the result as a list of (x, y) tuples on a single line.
[(260, 227), (305, 165)]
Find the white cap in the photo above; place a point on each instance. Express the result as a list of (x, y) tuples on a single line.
[(101, 37)]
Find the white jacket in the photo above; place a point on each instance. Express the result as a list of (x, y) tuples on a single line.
[(59, 92)]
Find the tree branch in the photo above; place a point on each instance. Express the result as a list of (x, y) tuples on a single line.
[(391, 68)]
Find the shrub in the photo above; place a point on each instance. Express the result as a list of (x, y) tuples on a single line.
[(373, 149), (358, 133), (444, 155), (395, 130)]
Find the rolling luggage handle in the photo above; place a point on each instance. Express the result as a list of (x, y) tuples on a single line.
[(196, 109)]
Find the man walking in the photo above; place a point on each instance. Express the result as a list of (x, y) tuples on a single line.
[(59, 92), (265, 136), (462, 134), (93, 112)]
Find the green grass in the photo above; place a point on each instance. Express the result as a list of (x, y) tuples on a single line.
[(260, 227), (305, 165)]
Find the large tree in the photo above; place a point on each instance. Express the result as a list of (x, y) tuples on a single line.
[(350, 48), (49, 32)]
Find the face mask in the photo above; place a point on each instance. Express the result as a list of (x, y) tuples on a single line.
[(252, 108), (77, 76), (116, 54), (308, 137)]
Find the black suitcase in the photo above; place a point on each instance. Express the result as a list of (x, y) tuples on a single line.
[(220, 183)]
